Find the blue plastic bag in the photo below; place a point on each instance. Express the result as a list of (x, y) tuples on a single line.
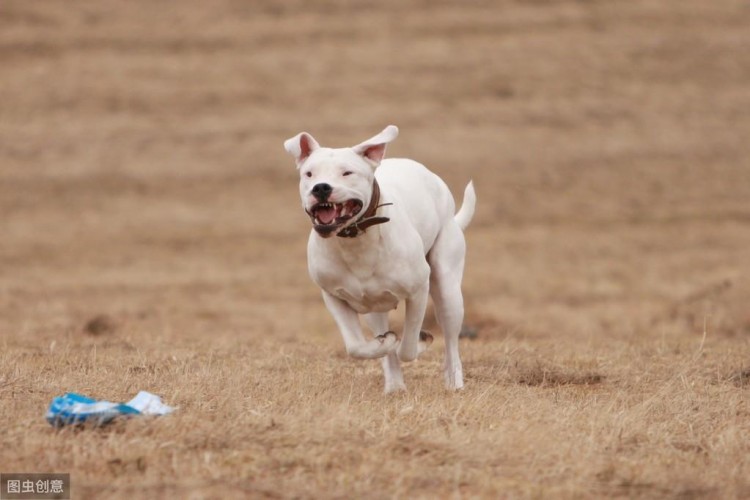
[(74, 409)]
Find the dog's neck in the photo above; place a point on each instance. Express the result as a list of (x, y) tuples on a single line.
[(368, 217)]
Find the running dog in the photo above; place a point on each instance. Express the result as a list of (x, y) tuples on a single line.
[(383, 231)]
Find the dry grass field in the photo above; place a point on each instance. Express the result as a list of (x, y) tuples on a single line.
[(152, 239)]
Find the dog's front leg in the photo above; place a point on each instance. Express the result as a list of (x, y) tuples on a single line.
[(347, 320), (394, 377), (412, 342)]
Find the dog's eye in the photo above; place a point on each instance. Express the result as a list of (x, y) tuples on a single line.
[(348, 172), (309, 174)]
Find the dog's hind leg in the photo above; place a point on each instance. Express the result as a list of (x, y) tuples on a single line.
[(394, 377), (412, 340), (446, 260), (347, 320)]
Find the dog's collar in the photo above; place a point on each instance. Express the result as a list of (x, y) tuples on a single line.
[(368, 218)]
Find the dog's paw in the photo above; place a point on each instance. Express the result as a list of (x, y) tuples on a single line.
[(387, 339), (395, 386), (454, 379), (425, 341), (426, 337), (375, 348)]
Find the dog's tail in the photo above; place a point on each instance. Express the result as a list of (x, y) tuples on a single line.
[(464, 215)]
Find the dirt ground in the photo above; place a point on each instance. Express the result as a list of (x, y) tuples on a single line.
[(152, 239)]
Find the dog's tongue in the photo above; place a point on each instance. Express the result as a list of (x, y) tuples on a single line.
[(326, 215)]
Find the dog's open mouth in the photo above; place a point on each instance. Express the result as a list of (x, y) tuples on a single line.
[(327, 216)]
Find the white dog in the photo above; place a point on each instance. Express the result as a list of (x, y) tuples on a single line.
[(384, 231)]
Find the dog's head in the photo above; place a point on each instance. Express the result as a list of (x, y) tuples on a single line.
[(336, 184)]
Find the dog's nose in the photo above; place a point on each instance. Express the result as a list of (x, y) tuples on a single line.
[(322, 191)]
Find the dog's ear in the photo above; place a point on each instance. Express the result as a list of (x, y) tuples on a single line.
[(373, 149), (301, 146)]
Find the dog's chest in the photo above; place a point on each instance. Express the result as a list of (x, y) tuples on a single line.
[(373, 272), (368, 300), (367, 286)]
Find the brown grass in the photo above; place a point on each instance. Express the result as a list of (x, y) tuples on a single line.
[(152, 239)]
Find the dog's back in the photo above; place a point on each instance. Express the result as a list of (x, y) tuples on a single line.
[(422, 197)]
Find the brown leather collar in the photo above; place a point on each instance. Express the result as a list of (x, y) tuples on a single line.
[(368, 218)]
